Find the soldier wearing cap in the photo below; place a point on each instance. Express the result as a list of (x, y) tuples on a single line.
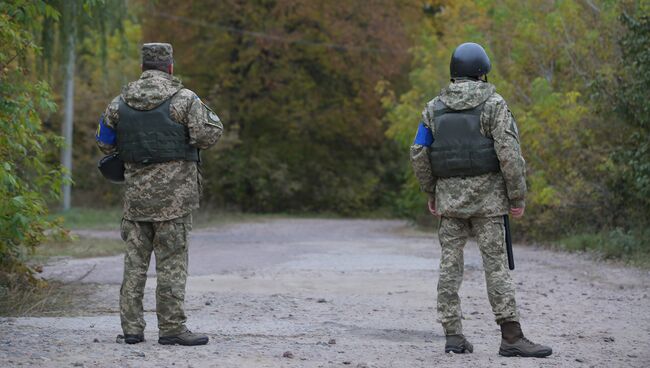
[(158, 127)]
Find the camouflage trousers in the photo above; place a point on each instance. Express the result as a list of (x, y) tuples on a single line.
[(490, 234), (168, 241)]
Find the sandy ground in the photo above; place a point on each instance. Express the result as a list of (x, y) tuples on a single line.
[(339, 293)]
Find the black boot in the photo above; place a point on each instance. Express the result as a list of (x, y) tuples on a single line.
[(187, 338), (133, 339), (513, 343), (458, 344)]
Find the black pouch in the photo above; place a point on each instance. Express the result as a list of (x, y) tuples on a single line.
[(112, 168)]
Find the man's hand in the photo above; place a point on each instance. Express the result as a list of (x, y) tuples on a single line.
[(517, 212), (432, 207)]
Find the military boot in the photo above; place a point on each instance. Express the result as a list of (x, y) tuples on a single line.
[(133, 339), (187, 338), (458, 344), (513, 343)]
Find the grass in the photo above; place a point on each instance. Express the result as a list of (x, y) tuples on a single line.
[(85, 218), (91, 218), (46, 299), (632, 247), (79, 247)]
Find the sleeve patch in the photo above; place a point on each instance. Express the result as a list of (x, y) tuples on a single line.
[(213, 117), (423, 136), (105, 134)]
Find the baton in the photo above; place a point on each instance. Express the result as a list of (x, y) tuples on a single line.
[(511, 258)]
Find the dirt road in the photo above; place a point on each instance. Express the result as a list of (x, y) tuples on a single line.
[(339, 293)]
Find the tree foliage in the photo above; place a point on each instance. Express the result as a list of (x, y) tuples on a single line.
[(27, 178), (33, 37), (548, 60), (632, 103), (294, 83)]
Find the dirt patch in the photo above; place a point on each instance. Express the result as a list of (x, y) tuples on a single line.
[(278, 293)]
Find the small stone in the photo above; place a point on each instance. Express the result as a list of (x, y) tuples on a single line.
[(95, 340), (632, 355), (579, 360), (332, 342), (608, 339), (321, 300), (208, 303), (287, 354), (347, 362)]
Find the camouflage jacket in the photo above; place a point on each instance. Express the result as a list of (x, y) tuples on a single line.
[(168, 190), (484, 195)]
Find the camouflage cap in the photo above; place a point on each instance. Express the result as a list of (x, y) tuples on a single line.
[(157, 53)]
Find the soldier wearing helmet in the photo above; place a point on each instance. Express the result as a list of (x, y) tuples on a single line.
[(467, 158)]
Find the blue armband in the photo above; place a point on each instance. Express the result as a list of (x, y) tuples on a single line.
[(105, 134), (424, 136)]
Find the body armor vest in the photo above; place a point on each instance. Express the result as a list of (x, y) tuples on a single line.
[(151, 136), (459, 148)]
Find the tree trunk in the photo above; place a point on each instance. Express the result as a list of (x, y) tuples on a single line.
[(68, 112)]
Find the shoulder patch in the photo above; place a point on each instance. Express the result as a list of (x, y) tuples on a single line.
[(213, 118)]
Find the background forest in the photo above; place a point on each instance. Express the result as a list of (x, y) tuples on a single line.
[(321, 99)]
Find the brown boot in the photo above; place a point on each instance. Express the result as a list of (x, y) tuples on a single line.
[(513, 343), (458, 344)]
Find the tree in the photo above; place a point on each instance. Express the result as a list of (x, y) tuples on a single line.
[(78, 22), (294, 82), (27, 178), (545, 56), (631, 98)]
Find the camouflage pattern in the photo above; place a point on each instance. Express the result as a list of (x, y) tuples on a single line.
[(157, 53), (168, 190), (484, 195), (158, 200), (168, 241), (490, 233), (475, 203)]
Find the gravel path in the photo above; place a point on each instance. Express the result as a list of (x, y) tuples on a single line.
[(342, 293)]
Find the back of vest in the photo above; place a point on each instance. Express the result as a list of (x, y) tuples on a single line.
[(459, 148), (151, 136)]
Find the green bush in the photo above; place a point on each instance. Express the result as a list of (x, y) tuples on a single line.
[(27, 179), (617, 244)]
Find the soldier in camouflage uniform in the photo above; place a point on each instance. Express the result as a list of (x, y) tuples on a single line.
[(158, 127), (467, 158)]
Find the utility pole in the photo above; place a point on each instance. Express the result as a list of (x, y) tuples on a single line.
[(68, 111)]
